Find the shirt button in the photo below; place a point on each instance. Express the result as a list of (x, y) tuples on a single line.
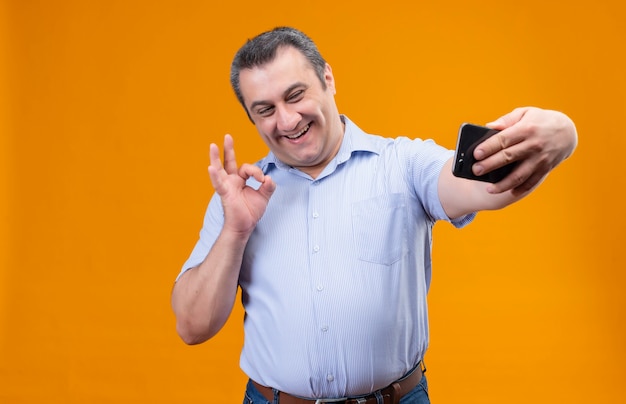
[(320, 288), (330, 377), (315, 215), (324, 328), (316, 248)]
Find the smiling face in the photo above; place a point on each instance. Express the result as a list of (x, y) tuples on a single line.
[(294, 114)]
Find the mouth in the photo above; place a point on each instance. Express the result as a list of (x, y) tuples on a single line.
[(300, 133)]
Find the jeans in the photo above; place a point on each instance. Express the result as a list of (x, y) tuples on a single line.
[(419, 395)]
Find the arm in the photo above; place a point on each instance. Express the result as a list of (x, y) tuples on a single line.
[(203, 297), (538, 139)]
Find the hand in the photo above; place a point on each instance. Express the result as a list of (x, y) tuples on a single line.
[(537, 139), (243, 205)]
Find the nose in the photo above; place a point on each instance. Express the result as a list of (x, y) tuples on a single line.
[(286, 118)]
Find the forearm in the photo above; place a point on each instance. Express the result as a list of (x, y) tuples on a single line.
[(460, 196), (203, 297)]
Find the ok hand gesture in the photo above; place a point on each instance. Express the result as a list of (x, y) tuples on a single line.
[(243, 205)]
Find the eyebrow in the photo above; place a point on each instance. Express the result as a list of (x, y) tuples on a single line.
[(285, 93)]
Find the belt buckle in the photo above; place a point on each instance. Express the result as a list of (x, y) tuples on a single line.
[(330, 400)]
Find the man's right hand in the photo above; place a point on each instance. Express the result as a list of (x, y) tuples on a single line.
[(243, 205), (203, 297)]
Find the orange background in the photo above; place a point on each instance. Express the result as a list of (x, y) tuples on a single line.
[(107, 109)]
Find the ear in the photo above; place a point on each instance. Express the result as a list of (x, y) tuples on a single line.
[(329, 79)]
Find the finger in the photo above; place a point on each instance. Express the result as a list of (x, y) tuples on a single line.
[(500, 149), (531, 183), (267, 186), (215, 168), (501, 158), (249, 170), (509, 119), (522, 179), (507, 135), (215, 178), (214, 157), (230, 163), (516, 178), (492, 145)]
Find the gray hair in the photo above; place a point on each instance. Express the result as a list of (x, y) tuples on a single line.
[(263, 48)]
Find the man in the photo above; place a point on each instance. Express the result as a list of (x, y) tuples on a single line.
[(329, 236)]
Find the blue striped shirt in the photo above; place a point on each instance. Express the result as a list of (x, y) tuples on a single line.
[(335, 276)]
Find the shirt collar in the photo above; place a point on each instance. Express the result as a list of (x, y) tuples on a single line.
[(354, 140)]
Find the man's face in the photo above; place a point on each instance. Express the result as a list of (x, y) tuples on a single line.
[(296, 117)]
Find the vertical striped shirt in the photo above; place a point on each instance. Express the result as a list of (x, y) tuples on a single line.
[(335, 275)]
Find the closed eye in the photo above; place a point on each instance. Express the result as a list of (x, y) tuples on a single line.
[(265, 111), (295, 96)]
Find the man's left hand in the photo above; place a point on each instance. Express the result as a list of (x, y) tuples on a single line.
[(537, 139)]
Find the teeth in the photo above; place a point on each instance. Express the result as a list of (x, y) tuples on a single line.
[(297, 135)]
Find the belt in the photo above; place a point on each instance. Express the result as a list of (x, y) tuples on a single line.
[(390, 394)]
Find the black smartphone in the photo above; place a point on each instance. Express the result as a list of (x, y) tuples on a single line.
[(470, 136)]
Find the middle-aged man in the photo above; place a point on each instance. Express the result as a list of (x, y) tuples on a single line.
[(329, 235)]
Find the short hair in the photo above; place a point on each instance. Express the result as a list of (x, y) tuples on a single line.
[(263, 48)]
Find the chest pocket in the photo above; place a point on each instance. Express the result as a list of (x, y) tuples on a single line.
[(379, 228)]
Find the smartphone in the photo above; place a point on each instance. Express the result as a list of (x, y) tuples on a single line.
[(470, 136)]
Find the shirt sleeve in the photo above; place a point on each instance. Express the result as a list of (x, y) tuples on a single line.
[(212, 225), (425, 160)]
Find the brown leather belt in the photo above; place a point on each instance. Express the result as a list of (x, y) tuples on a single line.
[(390, 394)]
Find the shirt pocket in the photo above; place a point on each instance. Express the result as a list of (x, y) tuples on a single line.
[(379, 227)]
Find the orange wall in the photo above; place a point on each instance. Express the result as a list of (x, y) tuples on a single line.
[(107, 109)]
